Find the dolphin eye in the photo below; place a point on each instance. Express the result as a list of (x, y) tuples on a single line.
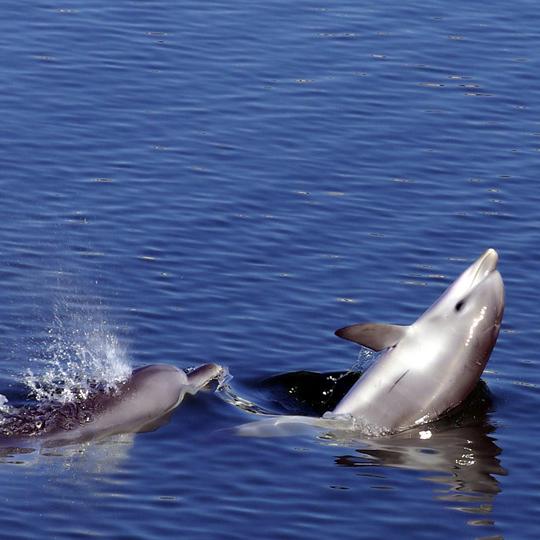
[(459, 305)]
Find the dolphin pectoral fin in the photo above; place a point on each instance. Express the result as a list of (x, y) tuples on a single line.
[(375, 336)]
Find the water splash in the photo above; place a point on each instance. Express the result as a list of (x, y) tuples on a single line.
[(4, 407), (366, 357), (80, 352)]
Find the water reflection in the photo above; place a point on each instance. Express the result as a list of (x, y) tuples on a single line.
[(465, 456), (99, 457)]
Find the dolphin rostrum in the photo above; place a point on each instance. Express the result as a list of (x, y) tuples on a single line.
[(142, 403), (425, 370)]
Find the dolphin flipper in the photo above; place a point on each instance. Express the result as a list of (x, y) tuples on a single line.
[(375, 336)]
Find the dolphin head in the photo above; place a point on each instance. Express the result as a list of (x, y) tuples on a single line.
[(472, 307), (199, 377)]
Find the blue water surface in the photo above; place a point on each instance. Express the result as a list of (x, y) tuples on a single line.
[(231, 182)]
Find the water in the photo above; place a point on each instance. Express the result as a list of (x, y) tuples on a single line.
[(224, 182)]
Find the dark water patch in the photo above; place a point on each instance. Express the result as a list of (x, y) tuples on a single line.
[(305, 392)]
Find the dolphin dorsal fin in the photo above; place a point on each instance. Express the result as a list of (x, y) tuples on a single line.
[(375, 336)]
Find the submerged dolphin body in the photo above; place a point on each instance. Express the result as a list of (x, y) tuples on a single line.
[(426, 369), (142, 403)]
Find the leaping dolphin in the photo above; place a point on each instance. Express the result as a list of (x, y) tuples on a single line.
[(426, 369), (431, 366), (142, 403)]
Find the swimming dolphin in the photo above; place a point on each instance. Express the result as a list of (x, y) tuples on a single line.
[(426, 369), (142, 403), (431, 366)]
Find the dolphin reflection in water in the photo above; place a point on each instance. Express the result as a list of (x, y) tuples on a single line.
[(143, 402)]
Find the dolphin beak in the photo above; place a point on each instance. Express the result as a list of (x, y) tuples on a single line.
[(202, 375), (484, 265)]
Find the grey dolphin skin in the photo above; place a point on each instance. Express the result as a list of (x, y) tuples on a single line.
[(431, 366), (142, 403), (425, 370)]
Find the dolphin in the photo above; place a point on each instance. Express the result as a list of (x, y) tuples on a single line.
[(431, 366), (424, 370), (142, 403)]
